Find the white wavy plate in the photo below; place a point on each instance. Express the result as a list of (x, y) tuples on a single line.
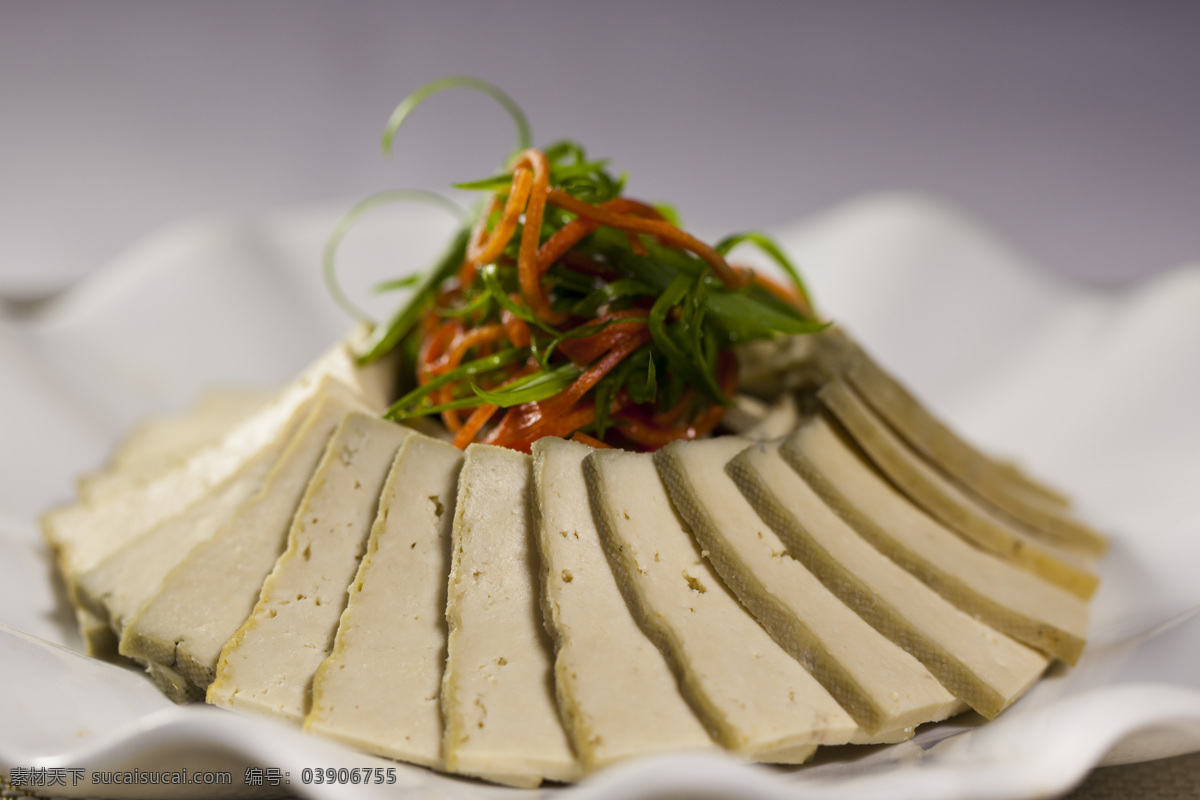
[(1096, 391)]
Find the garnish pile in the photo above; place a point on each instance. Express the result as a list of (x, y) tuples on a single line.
[(568, 309)]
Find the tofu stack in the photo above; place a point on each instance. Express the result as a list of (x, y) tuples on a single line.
[(843, 571)]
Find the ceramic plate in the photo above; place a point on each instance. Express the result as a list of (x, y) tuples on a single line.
[(1096, 391)]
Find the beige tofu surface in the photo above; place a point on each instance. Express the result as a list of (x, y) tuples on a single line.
[(755, 699), (112, 591), (498, 700), (204, 600), (1008, 598), (1042, 510), (779, 420), (379, 688), (879, 684), (980, 665), (160, 443), (268, 665), (942, 499), (616, 694), (84, 534), (118, 586)]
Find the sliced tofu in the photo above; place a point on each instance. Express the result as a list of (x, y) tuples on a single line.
[(498, 700), (616, 694), (119, 586), (947, 503), (378, 690), (159, 443), (755, 699), (202, 602), (781, 418), (267, 666), (744, 414), (115, 588), (84, 534), (985, 668), (1027, 501), (884, 688), (1007, 598)]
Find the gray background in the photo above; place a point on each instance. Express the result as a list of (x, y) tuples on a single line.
[(1072, 128)]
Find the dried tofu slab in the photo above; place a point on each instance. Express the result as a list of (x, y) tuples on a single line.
[(120, 585), (616, 694), (204, 600), (114, 589), (1007, 598), (498, 691), (980, 665), (884, 688), (756, 699), (944, 501), (160, 443), (1027, 501), (378, 689), (781, 419), (268, 665), (83, 535)]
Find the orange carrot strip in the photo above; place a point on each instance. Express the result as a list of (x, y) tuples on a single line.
[(531, 236), (673, 414), (464, 342), (640, 427), (487, 251), (586, 349), (570, 234), (594, 373), (590, 441), (517, 329), (476, 421), (664, 230), (433, 347)]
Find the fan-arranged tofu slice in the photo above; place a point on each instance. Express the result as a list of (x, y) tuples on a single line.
[(1027, 501), (204, 600), (755, 699), (378, 689), (985, 668), (115, 588), (781, 418), (884, 688), (268, 665), (616, 694), (160, 443), (498, 703), (1007, 598), (746, 412), (944, 501), (119, 586), (84, 534)]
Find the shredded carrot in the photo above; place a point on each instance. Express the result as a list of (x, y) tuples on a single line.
[(517, 329), (586, 349), (620, 325), (476, 421), (464, 342), (601, 368), (487, 251), (590, 441), (640, 427), (570, 234), (433, 347), (664, 230)]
